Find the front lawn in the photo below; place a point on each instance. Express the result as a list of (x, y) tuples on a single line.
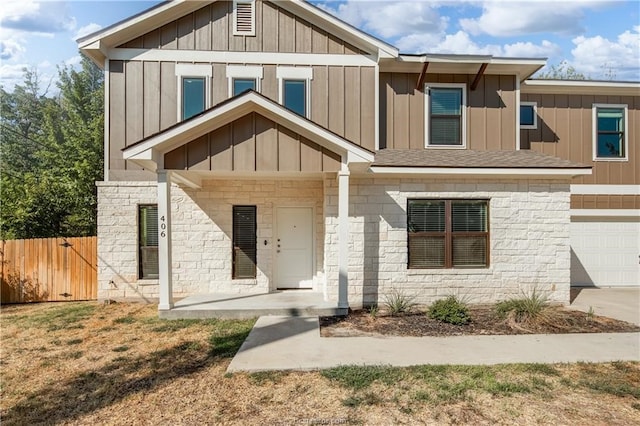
[(87, 363)]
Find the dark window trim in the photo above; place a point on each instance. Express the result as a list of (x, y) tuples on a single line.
[(304, 94), (236, 249), (461, 117), (448, 234), (204, 93), (621, 134), (144, 249)]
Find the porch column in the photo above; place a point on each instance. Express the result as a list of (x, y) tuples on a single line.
[(164, 240), (343, 238)]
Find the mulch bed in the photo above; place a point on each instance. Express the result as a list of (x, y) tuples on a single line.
[(484, 321)]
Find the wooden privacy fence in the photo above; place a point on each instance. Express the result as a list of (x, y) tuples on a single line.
[(49, 269)]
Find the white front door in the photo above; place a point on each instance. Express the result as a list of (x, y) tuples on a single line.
[(294, 247)]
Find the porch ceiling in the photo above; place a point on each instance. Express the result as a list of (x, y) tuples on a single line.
[(150, 152)]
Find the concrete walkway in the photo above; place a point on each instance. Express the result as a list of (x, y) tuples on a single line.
[(294, 343)]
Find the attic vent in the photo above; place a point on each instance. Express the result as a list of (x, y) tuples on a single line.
[(244, 19)]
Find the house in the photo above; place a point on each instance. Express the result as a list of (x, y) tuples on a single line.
[(254, 146)]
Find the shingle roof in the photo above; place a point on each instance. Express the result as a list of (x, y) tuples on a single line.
[(464, 158)]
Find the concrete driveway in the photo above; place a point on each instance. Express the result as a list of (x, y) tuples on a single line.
[(618, 303)]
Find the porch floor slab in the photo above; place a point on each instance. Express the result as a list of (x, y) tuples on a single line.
[(242, 306)]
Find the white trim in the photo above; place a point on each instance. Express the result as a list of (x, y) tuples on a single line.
[(594, 135), (518, 103), (480, 171), (605, 189), (295, 73), (343, 239), (193, 71), (463, 118), (107, 118), (535, 115), (606, 212), (244, 72), (236, 32), (580, 87), (263, 58), (165, 273), (376, 108)]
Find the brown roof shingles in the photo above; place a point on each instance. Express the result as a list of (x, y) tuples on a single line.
[(464, 158)]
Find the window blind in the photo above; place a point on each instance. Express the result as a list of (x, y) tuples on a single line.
[(244, 241)]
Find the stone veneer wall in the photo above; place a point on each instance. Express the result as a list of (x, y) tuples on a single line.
[(202, 231), (529, 231)]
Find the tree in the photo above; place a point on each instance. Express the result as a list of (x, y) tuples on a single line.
[(562, 71), (51, 155)]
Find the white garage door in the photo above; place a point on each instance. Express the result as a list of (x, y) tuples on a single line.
[(605, 252)]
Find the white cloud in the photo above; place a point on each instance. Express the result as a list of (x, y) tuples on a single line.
[(530, 50), (86, 30), (39, 17), (595, 55), (503, 18)]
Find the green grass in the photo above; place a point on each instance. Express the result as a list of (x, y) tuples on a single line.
[(227, 336), (58, 316), (124, 320), (360, 377), (120, 349)]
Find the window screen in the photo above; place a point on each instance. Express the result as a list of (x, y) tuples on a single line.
[(244, 241), (448, 233), (148, 241), (193, 96), (527, 115)]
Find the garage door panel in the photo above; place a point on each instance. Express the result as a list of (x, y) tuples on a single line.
[(604, 252)]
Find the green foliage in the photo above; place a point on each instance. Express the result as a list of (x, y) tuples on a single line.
[(398, 302), (527, 308), (449, 310), (562, 71), (51, 155), (62, 316)]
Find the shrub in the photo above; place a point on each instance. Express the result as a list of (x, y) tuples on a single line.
[(398, 302), (525, 309), (449, 310)]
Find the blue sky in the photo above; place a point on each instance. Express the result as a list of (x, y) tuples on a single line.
[(600, 38)]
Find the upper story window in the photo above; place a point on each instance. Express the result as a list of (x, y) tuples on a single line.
[(244, 17), (241, 85), (610, 136), (242, 78), (528, 115), (446, 115), (295, 88), (193, 89), (448, 233)]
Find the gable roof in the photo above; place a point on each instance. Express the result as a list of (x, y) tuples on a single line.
[(97, 44), (148, 152)]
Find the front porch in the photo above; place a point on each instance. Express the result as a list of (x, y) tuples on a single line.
[(243, 306)]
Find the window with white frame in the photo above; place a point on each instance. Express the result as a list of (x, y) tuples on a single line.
[(193, 89), (528, 115), (244, 17), (445, 121), (610, 135), (242, 78), (295, 89)]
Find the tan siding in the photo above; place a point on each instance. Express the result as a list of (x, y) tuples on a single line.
[(134, 101), (352, 104), (336, 100), (168, 95), (266, 145), (220, 84), (565, 130), (605, 202), (490, 111), (238, 147), (151, 99), (367, 108), (151, 40), (319, 95), (270, 82), (117, 115), (211, 27)]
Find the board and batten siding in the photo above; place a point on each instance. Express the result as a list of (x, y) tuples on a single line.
[(605, 201), (143, 101), (565, 130), (252, 143), (491, 112), (211, 28)]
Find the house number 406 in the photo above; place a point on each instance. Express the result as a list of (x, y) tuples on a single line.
[(163, 227)]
